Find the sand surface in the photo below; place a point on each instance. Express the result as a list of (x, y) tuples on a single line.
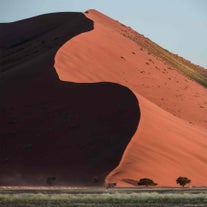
[(171, 137), (83, 102), (76, 133)]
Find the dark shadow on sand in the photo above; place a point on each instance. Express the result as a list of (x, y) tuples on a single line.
[(76, 133)]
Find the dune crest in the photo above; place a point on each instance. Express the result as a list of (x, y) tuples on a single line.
[(171, 137), (86, 99), (75, 133)]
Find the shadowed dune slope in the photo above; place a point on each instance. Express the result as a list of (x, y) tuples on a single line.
[(75, 132), (171, 139)]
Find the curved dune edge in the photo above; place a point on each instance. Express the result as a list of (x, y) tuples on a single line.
[(164, 146), (72, 133)]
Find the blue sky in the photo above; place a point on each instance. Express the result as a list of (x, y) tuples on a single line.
[(177, 25)]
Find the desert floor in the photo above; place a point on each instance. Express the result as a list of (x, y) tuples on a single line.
[(101, 197)]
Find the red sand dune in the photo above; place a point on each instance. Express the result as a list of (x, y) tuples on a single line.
[(77, 127), (171, 137), (50, 128)]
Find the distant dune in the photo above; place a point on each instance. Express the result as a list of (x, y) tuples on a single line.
[(87, 99)]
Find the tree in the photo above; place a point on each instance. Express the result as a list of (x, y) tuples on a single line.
[(50, 180), (146, 182), (183, 181), (111, 185)]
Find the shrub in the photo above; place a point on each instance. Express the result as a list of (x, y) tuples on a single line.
[(183, 181), (146, 182), (95, 179), (111, 185), (50, 180)]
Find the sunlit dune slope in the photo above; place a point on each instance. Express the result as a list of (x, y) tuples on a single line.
[(163, 149), (171, 138), (73, 133), (105, 53)]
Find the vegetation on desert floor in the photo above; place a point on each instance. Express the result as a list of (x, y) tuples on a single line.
[(146, 182), (101, 197), (183, 181), (190, 70)]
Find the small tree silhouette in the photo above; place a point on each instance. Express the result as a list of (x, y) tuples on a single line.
[(146, 182), (111, 185), (183, 181), (50, 180)]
